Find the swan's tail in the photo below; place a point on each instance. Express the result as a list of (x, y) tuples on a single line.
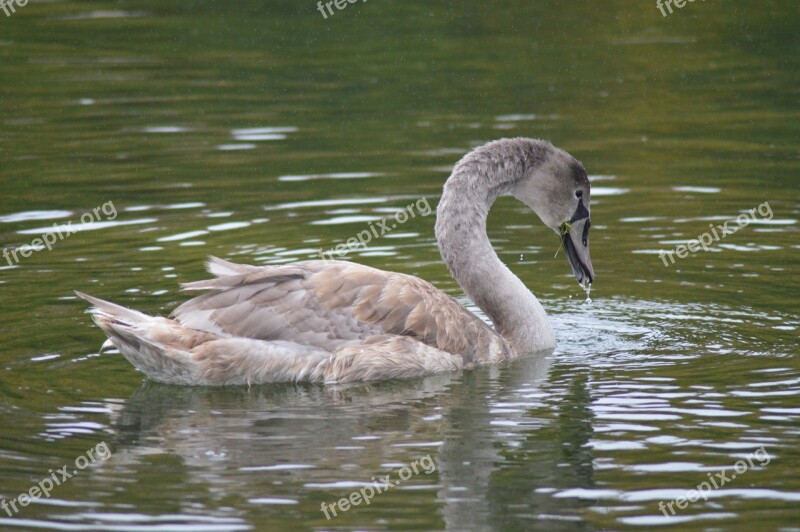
[(168, 352), (158, 347)]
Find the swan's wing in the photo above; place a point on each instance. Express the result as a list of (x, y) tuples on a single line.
[(327, 304)]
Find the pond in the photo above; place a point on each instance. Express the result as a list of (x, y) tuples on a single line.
[(154, 134)]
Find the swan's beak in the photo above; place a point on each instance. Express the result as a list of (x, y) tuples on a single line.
[(576, 246)]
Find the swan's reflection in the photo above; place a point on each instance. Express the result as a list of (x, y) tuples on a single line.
[(471, 453), (304, 444)]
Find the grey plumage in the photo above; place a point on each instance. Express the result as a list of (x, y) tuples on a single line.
[(335, 321)]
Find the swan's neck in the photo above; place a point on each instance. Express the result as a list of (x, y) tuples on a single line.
[(477, 181)]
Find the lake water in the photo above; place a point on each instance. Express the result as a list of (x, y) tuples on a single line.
[(263, 133)]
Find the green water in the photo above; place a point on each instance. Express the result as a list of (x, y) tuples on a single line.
[(672, 373)]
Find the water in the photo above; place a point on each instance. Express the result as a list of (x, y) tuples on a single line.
[(265, 133)]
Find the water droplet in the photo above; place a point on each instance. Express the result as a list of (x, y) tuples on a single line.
[(588, 288)]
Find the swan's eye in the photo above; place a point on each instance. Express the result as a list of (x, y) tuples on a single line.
[(579, 193)]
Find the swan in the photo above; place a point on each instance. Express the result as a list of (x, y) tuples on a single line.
[(333, 321)]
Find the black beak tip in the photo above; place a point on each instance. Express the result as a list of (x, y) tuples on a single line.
[(583, 271)]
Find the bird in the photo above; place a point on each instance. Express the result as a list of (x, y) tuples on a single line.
[(336, 321)]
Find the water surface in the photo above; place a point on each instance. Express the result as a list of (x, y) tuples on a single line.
[(263, 133)]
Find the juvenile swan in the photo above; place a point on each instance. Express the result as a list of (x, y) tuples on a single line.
[(336, 321)]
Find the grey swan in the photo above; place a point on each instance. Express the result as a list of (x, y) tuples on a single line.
[(332, 321)]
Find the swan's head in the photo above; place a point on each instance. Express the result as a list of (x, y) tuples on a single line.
[(557, 189)]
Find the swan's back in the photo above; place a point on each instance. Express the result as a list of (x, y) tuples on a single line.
[(327, 304)]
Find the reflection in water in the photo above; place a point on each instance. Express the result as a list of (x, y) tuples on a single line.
[(470, 455), (309, 437)]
